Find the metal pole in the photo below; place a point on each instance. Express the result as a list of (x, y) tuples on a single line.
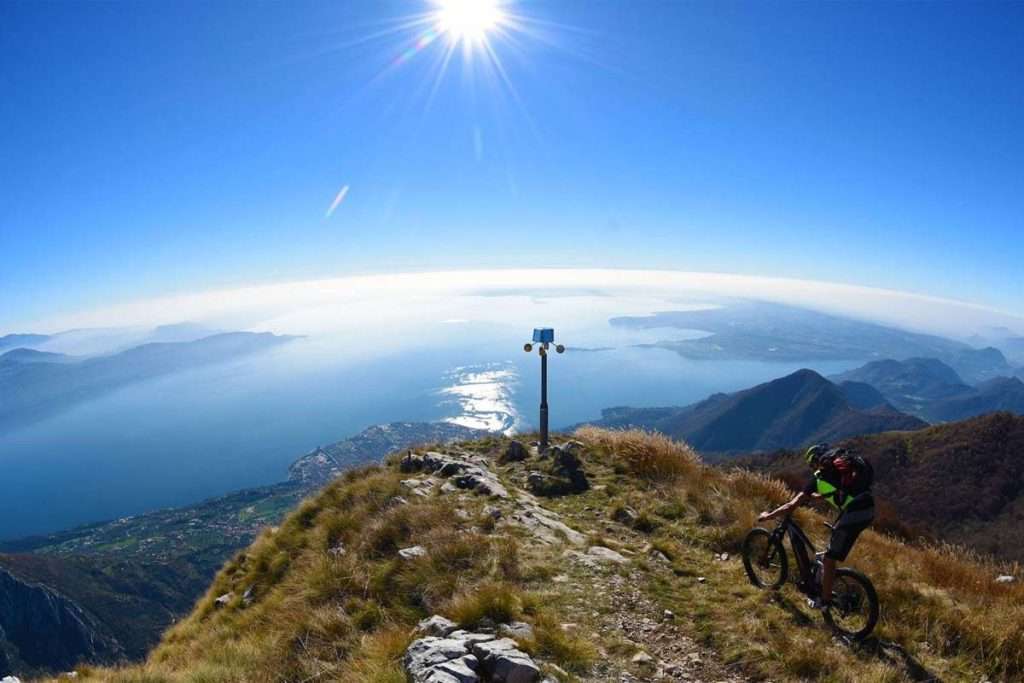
[(543, 399)]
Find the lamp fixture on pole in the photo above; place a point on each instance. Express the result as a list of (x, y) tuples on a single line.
[(543, 337)]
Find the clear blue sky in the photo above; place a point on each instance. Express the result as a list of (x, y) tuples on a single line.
[(157, 147)]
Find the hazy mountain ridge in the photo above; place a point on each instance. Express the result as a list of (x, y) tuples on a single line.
[(930, 389), (776, 332), (34, 386), (26, 355), (800, 408), (13, 341)]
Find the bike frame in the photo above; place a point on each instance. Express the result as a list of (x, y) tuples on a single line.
[(803, 550)]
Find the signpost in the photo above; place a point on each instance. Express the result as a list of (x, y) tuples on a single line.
[(543, 337)]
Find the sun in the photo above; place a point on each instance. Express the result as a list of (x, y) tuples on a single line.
[(468, 21)]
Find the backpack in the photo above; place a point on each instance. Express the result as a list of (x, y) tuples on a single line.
[(856, 475)]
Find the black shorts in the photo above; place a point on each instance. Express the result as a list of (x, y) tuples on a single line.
[(847, 529)]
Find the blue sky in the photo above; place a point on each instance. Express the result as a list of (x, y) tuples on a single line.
[(158, 148)]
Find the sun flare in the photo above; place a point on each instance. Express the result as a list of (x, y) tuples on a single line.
[(468, 21)]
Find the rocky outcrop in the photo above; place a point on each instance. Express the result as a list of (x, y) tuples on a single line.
[(449, 655), (544, 524), (563, 475), (466, 471), (46, 630)]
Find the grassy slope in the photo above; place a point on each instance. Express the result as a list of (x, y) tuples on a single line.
[(320, 616)]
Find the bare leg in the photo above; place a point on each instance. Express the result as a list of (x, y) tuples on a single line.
[(827, 574)]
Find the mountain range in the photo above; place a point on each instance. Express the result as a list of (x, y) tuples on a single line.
[(800, 408), (932, 390), (35, 384), (752, 330)]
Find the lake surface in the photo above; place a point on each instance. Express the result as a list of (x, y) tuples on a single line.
[(201, 433)]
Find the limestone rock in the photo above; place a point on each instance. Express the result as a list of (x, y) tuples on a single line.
[(606, 554), (425, 654), (461, 670), (465, 472), (470, 637), (418, 487), (659, 556), (460, 656), (412, 552), (505, 662), (546, 527), (481, 481), (436, 626), (1006, 579), (518, 630)]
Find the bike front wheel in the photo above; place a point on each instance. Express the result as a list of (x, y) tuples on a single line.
[(765, 559), (854, 610)]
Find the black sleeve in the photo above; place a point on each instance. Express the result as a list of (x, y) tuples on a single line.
[(812, 486)]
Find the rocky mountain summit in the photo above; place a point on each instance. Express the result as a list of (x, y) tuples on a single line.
[(612, 557)]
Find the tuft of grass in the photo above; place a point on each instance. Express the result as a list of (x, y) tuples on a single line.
[(497, 601), (568, 649), (646, 522), (648, 455)]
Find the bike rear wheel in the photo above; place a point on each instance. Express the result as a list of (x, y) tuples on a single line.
[(854, 610), (765, 559)]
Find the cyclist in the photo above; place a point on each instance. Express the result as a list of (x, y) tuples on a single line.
[(844, 480)]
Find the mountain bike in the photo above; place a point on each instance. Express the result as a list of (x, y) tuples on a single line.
[(854, 609)]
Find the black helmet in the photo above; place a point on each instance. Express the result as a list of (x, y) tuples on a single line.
[(815, 452)]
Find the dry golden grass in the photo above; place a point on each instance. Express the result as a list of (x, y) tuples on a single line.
[(331, 616), (940, 600), (648, 455)]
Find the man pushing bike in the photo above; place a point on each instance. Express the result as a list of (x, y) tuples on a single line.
[(844, 480)]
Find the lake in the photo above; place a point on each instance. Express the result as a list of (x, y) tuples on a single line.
[(408, 354), (201, 433)]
